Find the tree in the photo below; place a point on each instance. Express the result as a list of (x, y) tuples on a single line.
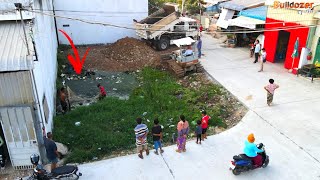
[(192, 6)]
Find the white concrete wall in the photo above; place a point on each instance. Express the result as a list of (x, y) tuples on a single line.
[(45, 70), (117, 12)]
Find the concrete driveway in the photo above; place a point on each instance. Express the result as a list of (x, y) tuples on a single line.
[(290, 129)]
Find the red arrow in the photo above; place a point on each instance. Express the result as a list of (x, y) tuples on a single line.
[(75, 62)]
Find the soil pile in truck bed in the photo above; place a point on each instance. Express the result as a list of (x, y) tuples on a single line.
[(127, 54)]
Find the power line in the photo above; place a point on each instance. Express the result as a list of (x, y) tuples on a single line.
[(313, 19), (124, 27)]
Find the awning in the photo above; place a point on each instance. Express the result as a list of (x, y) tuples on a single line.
[(256, 13), (13, 49), (183, 42), (225, 16), (245, 22)]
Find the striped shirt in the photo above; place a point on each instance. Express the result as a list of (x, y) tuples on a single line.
[(141, 131)]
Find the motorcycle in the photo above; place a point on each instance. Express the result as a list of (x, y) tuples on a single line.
[(63, 172), (2, 158), (242, 163)]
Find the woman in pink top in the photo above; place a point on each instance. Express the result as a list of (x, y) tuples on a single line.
[(270, 89), (183, 131)]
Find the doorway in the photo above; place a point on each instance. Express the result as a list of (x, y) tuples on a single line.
[(317, 54), (282, 45), (4, 150)]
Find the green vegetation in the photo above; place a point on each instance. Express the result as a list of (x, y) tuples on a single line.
[(107, 126), (62, 60), (192, 6)]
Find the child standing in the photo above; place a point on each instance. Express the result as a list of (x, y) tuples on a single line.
[(270, 88), (141, 131), (204, 124), (198, 131), (157, 136), (103, 93), (262, 58)]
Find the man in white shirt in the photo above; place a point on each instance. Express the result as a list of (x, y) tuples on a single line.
[(257, 50)]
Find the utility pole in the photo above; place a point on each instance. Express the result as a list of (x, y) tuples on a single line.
[(200, 10), (19, 8), (182, 8)]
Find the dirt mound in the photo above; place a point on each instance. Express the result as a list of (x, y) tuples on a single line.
[(127, 54)]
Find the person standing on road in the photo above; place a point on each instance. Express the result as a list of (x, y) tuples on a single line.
[(262, 59), (183, 131), (51, 149), (204, 124), (257, 50), (199, 46), (141, 132), (270, 88), (157, 136), (198, 132)]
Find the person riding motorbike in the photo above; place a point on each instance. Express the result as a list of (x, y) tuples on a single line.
[(252, 151)]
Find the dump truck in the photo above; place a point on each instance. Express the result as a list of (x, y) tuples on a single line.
[(164, 26)]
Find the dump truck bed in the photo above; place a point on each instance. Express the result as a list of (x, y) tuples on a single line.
[(157, 22)]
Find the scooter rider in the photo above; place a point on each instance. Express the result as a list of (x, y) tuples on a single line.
[(252, 151)]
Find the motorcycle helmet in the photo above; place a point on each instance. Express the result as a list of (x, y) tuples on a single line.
[(34, 158)]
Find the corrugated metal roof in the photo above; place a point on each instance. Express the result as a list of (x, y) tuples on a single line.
[(239, 5), (13, 48)]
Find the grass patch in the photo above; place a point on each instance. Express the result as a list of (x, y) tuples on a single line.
[(107, 126)]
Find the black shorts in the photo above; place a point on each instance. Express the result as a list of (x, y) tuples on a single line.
[(204, 130)]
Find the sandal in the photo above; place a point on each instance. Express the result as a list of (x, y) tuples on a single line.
[(140, 156)]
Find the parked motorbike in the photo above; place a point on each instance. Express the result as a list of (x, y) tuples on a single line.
[(242, 163), (2, 158), (63, 172), (2, 161)]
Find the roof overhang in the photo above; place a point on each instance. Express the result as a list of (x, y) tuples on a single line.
[(225, 16), (14, 55), (183, 41), (186, 19), (246, 22)]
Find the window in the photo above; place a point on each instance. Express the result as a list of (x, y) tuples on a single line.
[(45, 108)]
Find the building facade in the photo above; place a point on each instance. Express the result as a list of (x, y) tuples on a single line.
[(284, 26), (113, 12), (28, 69)]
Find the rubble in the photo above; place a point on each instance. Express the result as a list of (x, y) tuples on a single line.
[(127, 54), (62, 149)]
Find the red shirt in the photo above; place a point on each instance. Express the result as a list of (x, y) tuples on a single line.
[(201, 28), (102, 91), (205, 121)]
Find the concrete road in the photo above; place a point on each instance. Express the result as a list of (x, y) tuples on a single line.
[(290, 129)]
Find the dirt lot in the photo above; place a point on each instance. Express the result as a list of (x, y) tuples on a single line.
[(127, 54)]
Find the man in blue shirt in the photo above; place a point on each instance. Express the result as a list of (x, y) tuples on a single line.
[(199, 46)]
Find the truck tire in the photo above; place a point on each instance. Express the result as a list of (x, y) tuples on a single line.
[(163, 44)]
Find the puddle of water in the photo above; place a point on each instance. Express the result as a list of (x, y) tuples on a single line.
[(116, 84)]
